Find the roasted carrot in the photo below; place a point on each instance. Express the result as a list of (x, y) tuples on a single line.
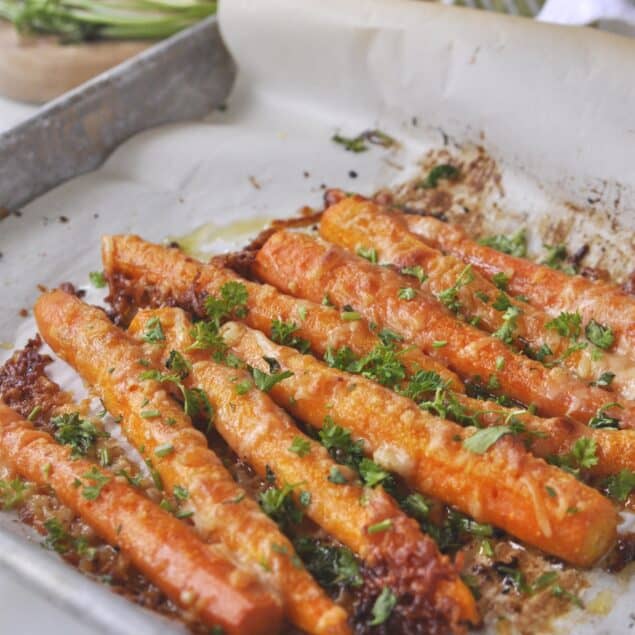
[(554, 291), (111, 362), (504, 485), (151, 275), (265, 436), (357, 223), (299, 264), (196, 576)]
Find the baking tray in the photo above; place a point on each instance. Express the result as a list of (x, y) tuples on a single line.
[(427, 75), (180, 78)]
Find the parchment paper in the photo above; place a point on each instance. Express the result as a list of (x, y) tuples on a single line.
[(555, 106)]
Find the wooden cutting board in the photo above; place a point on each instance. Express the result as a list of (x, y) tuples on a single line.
[(37, 69)]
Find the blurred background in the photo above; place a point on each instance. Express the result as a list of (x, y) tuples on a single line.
[(47, 47)]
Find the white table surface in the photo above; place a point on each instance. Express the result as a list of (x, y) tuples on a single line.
[(23, 611)]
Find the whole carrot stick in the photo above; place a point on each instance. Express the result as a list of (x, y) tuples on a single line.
[(355, 223), (265, 436), (554, 291), (144, 274), (112, 363), (301, 265), (151, 274), (504, 485), (194, 575)]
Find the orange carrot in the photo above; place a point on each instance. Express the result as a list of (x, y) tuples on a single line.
[(266, 437), (196, 576), (356, 222), (112, 363), (502, 485), (301, 265), (151, 275), (554, 291)]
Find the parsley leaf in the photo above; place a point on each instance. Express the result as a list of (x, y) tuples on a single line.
[(97, 279), (383, 607), (619, 486), (566, 324), (416, 271), (300, 446), (406, 293), (583, 455), (153, 331), (336, 476), (12, 492), (231, 303), (422, 383), (177, 363), (502, 302), (331, 566), (603, 420), (484, 439), (282, 333), (556, 259), (514, 245), (207, 337), (338, 441), (91, 492), (449, 296), (501, 280), (600, 335), (506, 331), (265, 381), (278, 504), (438, 172), (369, 253), (79, 433), (372, 474), (604, 380)]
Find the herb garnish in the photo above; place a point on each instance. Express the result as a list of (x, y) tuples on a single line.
[(153, 331), (416, 272), (619, 486), (600, 335), (100, 480), (514, 245), (383, 607), (97, 279), (438, 172), (300, 446), (283, 333), (369, 253), (80, 434), (449, 297)]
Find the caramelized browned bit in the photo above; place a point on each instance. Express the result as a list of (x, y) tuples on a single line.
[(623, 553), (69, 287), (24, 386), (629, 283)]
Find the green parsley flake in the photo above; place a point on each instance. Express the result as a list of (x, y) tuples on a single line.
[(381, 526), (566, 324), (369, 253), (514, 245), (407, 293), (416, 271), (600, 335), (91, 492), (153, 331), (383, 607), (300, 446), (501, 280), (97, 279), (437, 173)]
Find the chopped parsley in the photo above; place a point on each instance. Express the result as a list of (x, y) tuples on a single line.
[(619, 486), (338, 441), (100, 480), (283, 333), (381, 526), (231, 303), (505, 332), (501, 280), (97, 279), (439, 343), (407, 293), (153, 331), (12, 492), (265, 381), (383, 607), (278, 504), (438, 172), (566, 324), (369, 253), (603, 420), (604, 380), (484, 439), (331, 566), (350, 316), (449, 297), (416, 272), (421, 384), (197, 405), (163, 450), (583, 455), (80, 434), (359, 143), (556, 258), (178, 364), (300, 446), (372, 474), (336, 476), (180, 493), (206, 337), (600, 335), (514, 245), (502, 302)]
